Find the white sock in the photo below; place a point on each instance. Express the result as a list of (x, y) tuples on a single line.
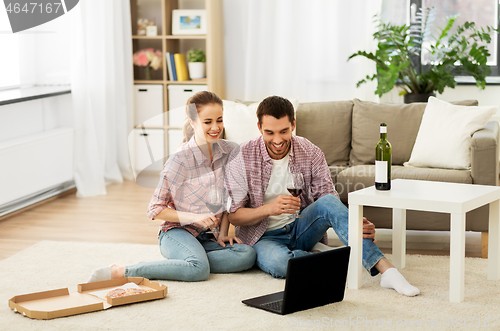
[(100, 274), (392, 278)]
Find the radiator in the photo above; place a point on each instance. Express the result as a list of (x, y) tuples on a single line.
[(35, 166)]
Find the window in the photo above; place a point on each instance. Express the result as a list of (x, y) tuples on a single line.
[(482, 12), (9, 56)]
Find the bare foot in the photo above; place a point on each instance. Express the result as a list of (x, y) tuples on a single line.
[(117, 271), (383, 264)]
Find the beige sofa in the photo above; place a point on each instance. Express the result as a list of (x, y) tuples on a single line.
[(347, 132)]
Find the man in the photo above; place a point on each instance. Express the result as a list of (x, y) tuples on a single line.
[(261, 206)]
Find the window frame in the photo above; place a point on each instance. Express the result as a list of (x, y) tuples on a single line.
[(495, 72)]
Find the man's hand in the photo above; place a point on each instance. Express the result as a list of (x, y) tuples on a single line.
[(369, 230), (284, 204)]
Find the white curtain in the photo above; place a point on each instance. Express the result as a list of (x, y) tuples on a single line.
[(299, 48), (101, 83)]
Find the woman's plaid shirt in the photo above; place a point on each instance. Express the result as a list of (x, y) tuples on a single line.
[(185, 180)]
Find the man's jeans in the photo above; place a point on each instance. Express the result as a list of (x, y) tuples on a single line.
[(192, 259), (276, 247)]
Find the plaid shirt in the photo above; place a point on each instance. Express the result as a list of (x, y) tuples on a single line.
[(185, 180), (249, 171)]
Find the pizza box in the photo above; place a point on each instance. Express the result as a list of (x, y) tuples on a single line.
[(59, 303)]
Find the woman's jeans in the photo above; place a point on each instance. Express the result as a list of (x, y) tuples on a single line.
[(192, 259), (276, 247)]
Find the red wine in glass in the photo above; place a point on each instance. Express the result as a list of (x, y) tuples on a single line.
[(214, 207), (295, 191), (295, 185)]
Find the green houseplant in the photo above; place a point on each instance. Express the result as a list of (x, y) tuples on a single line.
[(196, 63), (399, 52)]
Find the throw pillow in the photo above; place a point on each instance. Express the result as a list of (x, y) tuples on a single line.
[(444, 137), (402, 121), (240, 120)]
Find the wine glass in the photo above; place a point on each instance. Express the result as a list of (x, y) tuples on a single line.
[(295, 185), (215, 203)]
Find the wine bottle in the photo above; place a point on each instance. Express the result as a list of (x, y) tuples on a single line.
[(383, 159)]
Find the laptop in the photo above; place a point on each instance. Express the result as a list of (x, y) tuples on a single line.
[(311, 281)]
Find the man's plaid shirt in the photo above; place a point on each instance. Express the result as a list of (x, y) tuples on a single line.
[(249, 170)]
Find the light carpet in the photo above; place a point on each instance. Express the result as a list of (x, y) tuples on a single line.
[(216, 303)]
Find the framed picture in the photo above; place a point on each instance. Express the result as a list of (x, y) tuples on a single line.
[(189, 21)]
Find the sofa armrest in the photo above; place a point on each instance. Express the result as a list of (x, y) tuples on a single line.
[(484, 155)]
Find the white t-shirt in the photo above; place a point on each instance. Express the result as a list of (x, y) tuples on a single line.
[(277, 186)]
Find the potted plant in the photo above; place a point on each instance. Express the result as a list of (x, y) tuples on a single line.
[(196, 63), (399, 52)]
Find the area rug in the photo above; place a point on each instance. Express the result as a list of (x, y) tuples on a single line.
[(216, 303)]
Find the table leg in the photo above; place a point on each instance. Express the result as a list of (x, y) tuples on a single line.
[(493, 245), (356, 243), (398, 237), (457, 257)]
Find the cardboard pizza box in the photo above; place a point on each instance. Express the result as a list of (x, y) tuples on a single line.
[(59, 303)]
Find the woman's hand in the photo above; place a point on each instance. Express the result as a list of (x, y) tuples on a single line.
[(222, 239), (205, 221)]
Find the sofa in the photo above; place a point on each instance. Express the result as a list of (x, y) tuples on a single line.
[(347, 132)]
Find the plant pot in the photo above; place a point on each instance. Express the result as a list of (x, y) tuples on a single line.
[(415, 97), (197, 70)]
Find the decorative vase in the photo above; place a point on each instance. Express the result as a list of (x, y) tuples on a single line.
[(147, 73), (197, 70), (416, 97)]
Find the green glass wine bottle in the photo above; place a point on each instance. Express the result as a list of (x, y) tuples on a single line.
[(383, 159)]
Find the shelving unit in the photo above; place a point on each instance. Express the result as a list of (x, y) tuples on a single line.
[(212, 43)]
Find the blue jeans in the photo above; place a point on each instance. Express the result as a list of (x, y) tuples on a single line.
[(192, 259), (276, 247)]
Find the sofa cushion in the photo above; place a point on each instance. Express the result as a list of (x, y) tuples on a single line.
[(328, 126), (403, 122), (444, 137), (361, 176)]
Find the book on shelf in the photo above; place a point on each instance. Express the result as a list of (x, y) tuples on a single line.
[(181, 67), (174, 71), (169, 67)]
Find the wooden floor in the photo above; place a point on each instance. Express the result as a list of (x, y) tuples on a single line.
[(118, 217)]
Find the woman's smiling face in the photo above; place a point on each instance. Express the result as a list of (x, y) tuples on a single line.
[(209, 125)]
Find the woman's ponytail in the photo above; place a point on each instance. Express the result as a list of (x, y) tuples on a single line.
[(187, 130)]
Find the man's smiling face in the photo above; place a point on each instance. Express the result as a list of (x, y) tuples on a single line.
[(277, 135)]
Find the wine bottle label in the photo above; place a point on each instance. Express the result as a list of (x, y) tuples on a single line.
[(383, 129), (381, 171)]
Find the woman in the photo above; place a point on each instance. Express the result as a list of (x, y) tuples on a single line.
[(188, 237)]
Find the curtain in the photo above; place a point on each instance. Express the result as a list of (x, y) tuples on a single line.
[(299, 48), (102, 91)]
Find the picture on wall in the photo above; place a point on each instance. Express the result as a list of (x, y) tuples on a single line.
[(189, 22)]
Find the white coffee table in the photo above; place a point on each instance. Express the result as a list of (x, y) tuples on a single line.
[(453, 198)]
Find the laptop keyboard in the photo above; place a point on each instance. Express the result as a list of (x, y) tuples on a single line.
[(273, 305)]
